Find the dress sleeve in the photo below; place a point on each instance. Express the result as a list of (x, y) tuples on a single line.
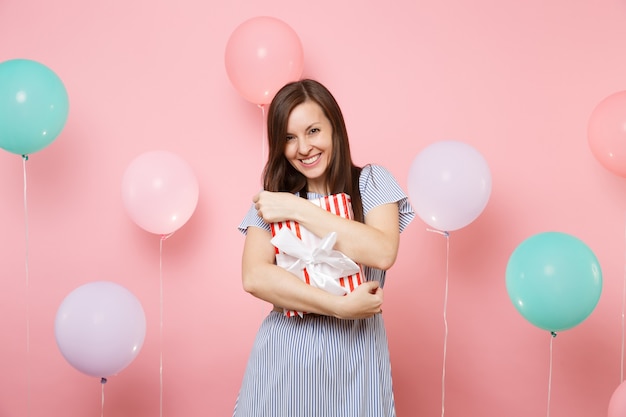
[(378, 186), (252, 218)]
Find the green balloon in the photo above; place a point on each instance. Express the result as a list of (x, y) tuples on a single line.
[(554, 280), (33, 106)]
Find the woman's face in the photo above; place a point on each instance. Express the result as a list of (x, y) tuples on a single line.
[(310, 144)]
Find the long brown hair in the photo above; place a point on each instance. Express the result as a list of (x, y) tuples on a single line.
[(279, 175)]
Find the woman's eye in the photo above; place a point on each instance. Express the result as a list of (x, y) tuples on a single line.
[(288, 138), (314, 130)]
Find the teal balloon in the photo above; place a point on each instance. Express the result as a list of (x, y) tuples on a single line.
[(554, 280), (33, 106)]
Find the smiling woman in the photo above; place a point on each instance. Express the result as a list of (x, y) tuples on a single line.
[(337, 334)]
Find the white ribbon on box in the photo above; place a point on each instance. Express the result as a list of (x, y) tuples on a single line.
[(324, 265)]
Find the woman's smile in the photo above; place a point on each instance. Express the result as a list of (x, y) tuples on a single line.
[(311, 160)]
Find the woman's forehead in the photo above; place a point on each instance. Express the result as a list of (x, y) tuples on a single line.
[(305, 114)]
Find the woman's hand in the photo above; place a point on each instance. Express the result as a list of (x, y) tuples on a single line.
[(276, 206), (365, 301)]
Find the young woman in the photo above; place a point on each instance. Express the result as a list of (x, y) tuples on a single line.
[(333, 360)]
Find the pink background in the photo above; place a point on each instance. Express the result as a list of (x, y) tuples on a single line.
[(517, 80)]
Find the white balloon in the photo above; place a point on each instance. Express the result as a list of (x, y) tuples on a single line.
[(100, 328), (449, 185)]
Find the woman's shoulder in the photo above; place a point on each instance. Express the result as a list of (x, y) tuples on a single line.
[(252, 218), (379, 186), (375, 172)]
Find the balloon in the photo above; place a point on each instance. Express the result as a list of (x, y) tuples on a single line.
[(617, 403), (33, 106), (159, 191), (262, 55), (554, 280), (100, 328), (606, 133), (449, 184)]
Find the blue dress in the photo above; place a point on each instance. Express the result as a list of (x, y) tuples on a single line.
[(316, 365)]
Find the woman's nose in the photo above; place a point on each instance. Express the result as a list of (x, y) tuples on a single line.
[(304, 147)]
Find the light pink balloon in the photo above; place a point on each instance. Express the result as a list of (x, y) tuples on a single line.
[(606, 133), (617, 403), (262, 55), (449, 184), (159, 191), (100, 328)]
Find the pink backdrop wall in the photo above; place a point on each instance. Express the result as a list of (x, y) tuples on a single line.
[(517, 80)]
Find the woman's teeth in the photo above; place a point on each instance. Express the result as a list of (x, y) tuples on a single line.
[(310, 160)]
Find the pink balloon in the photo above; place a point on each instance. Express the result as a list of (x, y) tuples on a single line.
[(617, 403), (262, 55), (100, 328), (606, 133), (449, 184), (159, 191)]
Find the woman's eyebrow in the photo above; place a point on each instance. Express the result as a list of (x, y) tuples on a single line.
[(306, 128)]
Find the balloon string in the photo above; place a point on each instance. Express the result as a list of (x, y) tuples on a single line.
[(102, 382), (28, 375), (623, 304), (553, 335), (445, 319), (163, 237)]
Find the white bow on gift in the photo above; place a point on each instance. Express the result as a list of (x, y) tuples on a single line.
[(323, 264)]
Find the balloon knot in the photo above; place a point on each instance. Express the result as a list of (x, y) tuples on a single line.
[(163, 237), (441, 232), (103, 381), (25, 157), (553, 334)]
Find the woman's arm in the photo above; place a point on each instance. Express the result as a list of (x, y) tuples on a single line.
[(373, 243), (262, 278)]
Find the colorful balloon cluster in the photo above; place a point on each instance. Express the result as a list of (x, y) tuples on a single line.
[(553, 279), (100, 328), (33, 106), (263, 54)]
